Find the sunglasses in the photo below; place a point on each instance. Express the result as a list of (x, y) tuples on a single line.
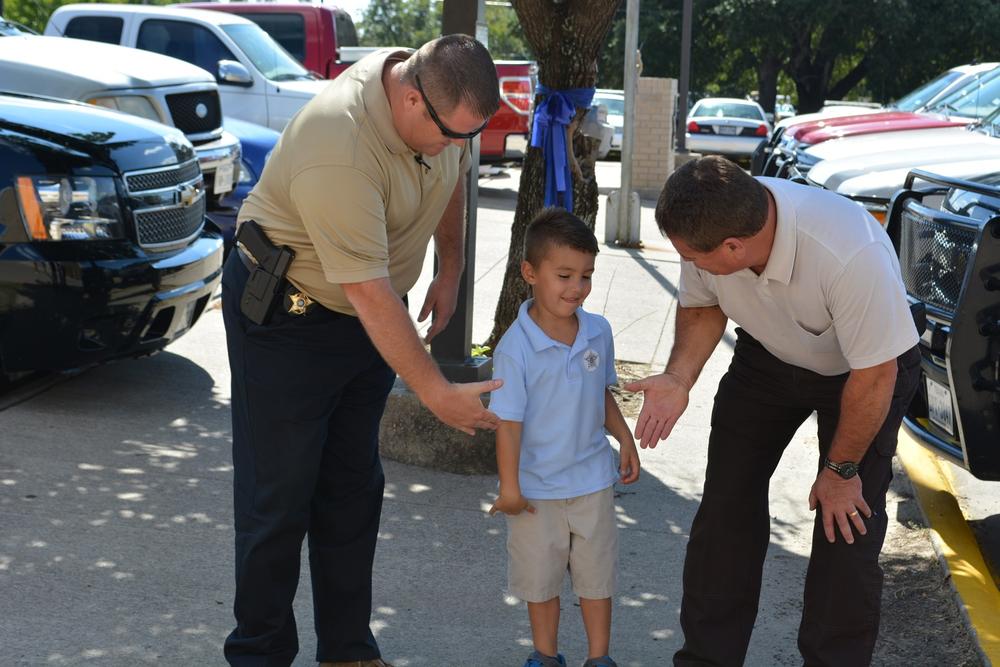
[(445, 130)]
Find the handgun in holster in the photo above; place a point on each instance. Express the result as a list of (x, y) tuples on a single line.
[(264, 288)]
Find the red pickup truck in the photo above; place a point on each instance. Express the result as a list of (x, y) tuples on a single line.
[(325, 41)]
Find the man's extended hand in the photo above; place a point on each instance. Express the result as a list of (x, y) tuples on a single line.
[(441, 300), (665, 397), (458, 405), (841, 501)]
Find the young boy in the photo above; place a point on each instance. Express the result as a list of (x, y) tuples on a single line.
[(556, 466)]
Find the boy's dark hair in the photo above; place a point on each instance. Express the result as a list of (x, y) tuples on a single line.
[(456, 69), (556, 226), (709, 200)]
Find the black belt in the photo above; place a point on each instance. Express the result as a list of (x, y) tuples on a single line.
[(294, 301)]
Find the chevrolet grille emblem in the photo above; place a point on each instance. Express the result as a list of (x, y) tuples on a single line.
[(187, 194)]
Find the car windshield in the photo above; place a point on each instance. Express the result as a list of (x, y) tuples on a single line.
[(925, 93), (266, 54), (727, 109), (991, 123), (975, 99), (615, 105), (8, 29)]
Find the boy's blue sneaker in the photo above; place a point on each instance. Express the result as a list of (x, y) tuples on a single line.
[(537, 659), (603, 661)]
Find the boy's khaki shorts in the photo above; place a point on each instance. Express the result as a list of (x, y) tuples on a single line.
[(579, 533)]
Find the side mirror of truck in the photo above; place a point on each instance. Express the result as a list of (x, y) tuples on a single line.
[(233, 73)]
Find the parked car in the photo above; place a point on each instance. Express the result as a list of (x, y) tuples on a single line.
[(921, 98), (930, 105), (783, 110), (595, 125), (101, 226), (614, 100), (318, 36), (726, 126), (11, 28), (950, 260), (142, 84), (259, 81), (870, 168), (324, 41), (256, 143)]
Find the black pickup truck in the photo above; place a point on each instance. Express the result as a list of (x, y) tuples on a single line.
[(947, 233), (103, 251)]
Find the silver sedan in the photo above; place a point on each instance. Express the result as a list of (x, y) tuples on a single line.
[(726, 126)]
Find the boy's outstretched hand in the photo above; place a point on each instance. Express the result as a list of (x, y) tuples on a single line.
[(512, 505), (628, 466)]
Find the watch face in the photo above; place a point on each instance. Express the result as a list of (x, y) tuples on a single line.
[(848, 470)]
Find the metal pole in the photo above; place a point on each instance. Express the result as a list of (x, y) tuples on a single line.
[(628, 127), (453, 346), (682, 93)]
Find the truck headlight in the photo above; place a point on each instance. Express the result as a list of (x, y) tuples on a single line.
[(70, 208), (135, 105)]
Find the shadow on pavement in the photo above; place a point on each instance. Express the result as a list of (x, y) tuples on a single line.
[(116, 548), (116, 512)]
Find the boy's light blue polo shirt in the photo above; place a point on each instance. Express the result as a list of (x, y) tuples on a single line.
[(557, 393)]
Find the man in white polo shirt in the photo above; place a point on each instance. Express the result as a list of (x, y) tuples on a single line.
[(814, 284)]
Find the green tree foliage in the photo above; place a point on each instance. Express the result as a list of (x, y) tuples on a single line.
[(813, 50), (412, 22), (505, 35), (407, 23)]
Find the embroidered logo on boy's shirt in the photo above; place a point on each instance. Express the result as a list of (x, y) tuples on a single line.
[(591, 359)]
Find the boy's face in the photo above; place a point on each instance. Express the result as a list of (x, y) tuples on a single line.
[(561, 281)]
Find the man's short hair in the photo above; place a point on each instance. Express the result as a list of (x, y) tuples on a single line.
[(556, 226), (709, 200), (456, 69)]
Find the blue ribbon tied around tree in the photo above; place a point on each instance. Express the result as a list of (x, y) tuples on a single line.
[(548, 132)]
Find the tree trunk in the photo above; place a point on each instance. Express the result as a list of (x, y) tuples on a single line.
[(851, 79), (767, 81), (566, 38), (811, 87)]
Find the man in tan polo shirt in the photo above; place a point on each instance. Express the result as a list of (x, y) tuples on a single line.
[(814, 284), (362, 178)]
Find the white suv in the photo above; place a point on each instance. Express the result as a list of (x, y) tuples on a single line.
[(259, 81), (142, 84)]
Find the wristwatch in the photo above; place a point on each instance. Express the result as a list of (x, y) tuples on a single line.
[(846, 469)]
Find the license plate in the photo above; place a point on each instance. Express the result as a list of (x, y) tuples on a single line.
[(726, 129), (939, 405), (223, 178)]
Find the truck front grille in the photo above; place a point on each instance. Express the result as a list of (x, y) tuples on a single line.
[(168, 225), (933, 256), (162, 178), (168, 204), (196, 113)]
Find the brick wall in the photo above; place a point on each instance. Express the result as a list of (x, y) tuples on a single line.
[(653, 157)]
